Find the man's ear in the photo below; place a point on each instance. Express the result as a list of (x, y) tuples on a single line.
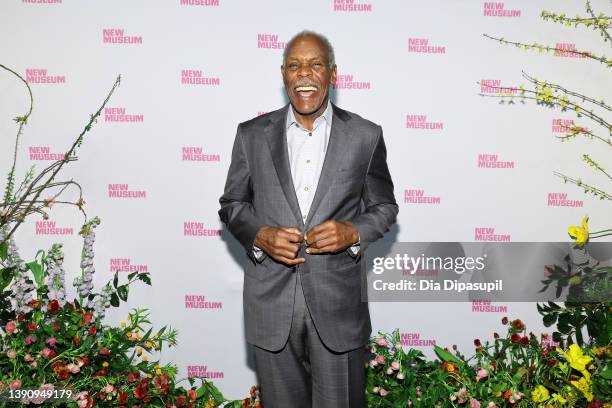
[(333, 75)]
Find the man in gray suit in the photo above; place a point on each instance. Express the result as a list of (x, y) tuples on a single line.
[(307, 190)]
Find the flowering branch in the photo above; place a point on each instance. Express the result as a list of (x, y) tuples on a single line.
[(587, 188), (548, 48), (15, 209)]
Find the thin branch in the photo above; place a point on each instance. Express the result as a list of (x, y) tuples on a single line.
[(593, 163), (555, 101), (69, 156), (573, 131), (547, 48), (601, 27), (22, 120), (587, 188), (601, 103)]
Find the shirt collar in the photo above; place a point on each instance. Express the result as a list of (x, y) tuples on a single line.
[(327, 116)]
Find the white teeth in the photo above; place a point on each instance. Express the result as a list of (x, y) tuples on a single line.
[(306, 89)]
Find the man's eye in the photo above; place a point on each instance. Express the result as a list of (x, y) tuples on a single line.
[(292, 67)]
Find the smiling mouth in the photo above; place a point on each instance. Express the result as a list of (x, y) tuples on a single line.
[(306, 90)]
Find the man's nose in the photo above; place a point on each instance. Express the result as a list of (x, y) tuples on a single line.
[(304, 70)]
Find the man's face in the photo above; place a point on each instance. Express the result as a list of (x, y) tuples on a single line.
[(307, 75)]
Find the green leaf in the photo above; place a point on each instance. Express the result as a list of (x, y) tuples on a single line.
[(6, 276), (114, 300), (145, 277), (607, 372), (37, 271), (122, 291), (116, 280), (209, 390), (4, 250), (446, 356), (549, 319)]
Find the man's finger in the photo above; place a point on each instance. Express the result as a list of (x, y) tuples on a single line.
[(315, 240), (287, 252), (321, 227), (293, 230), (291, 234), (326, 245), (291, 261)]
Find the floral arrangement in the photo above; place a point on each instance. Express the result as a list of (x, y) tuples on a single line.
[(513, 370), (55, 350)]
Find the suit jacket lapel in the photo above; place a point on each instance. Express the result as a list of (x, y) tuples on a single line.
[(276, 136)]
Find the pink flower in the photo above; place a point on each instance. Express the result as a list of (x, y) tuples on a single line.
[(389, 371), (492, 405), (34, 364), (400, 376), (30, 340), (51, 341), (482, 373), (11, 354), (40, 398), (398, 346), (15, 384), (381, 341), (73, 368), (373, 363), (474, 403), (83, 403), (380, 359), (108, 389), (80, 396), (45, 352), (383, 392), (28, 357), (11, 327), (395, 365)]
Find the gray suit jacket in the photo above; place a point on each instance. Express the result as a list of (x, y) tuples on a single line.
[(355, 185)]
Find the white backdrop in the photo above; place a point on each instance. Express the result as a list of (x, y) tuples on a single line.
[(167, 139)]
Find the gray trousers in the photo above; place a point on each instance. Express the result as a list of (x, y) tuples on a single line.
[(305, 373)]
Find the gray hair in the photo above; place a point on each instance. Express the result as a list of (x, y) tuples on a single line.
[(331, 57)]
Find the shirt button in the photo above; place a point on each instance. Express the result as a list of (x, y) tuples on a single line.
[(306, 188), (309, 133), (303, 217), (308, 161)]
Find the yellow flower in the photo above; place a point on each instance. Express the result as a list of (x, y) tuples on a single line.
[(129, 335), (139, 352), (577, 359), (584, 386), (105, 364), (145, 358), (123, 324), (149, 375), (149, 344), (540, 394), (158, 371), (580, 234), (558, 398)]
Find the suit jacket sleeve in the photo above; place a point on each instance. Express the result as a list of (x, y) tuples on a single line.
[(380, 207), (237, 211)]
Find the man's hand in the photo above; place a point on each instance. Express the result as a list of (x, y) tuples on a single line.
[(331, 236), (281, 243)]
